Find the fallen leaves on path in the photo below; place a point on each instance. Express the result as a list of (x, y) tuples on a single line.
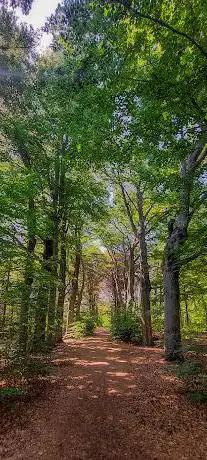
[(105, 400)]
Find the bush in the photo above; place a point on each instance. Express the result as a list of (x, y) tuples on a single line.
[(126, 326), (104, 320), (89, 325), (82, 328)]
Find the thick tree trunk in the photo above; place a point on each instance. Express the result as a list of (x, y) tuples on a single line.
[(144, 272), (173, 348), (177, 236)]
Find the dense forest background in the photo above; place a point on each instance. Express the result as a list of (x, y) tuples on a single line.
[(103, 174)]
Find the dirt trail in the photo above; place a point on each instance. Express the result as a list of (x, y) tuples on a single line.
[(105, 400)]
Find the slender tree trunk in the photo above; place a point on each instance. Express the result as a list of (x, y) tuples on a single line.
[(61, 295), (52, 302), (80, 295), (74, 288), (144, 272), (186, 308), (39, 340), (131, 274), (126, 277), (114, 291), (28, 279), (4, 303), (55, 219), (117, 283)]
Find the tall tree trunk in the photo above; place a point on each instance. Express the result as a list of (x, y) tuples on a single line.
[(114, 291), (55, 219), (173, 348), (117, 283), (39, 340), (80, 295), (74, 287), (144, 273), (131, 274), (176, 237), (186, 308), (53, 283), (61, 294), (126, 277), (4, 303), (28, 279)]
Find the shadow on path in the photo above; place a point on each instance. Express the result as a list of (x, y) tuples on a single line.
[(108, 400)]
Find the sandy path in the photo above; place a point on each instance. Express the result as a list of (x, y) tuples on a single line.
[(107, 400)]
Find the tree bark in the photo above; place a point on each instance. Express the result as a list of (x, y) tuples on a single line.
[(4, 303), (39, 340), (80, 295), (28, 279), (61, 294), (176, 237), (74, 288), (144, 272), (173, 347), (131, 275)]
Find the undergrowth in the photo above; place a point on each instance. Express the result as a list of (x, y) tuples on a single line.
[(126, 326)]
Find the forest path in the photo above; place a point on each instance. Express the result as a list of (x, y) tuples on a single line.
[(106, 400)]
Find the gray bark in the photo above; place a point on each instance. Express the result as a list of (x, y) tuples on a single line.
[(177, 236)]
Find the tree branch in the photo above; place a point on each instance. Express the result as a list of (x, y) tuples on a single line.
[(162, 23)]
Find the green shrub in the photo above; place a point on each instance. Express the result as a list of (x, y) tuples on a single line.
[(9, 392), (126, 326), (198, 396), (104, 320), (189, 368), (77, 330), (82, 328), (89, 325)]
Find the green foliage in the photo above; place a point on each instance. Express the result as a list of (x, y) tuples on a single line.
[(82, 328), (126, 326), (76, 330), (189, 368), (104, 320), (89, 324), (197, 396), (10, 392)]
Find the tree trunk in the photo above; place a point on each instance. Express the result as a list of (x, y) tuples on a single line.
[(144, 273), (173, 348), (186, 308), (177, 236), (131, 275), (53, 284), (39, 340), (80, 295), (4, 303), (61, 295), (74, 288), (28, 279)]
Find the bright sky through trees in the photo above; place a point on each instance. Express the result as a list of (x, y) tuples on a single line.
[(41, 10)]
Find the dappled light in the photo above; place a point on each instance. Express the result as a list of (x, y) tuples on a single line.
[(103, 248)]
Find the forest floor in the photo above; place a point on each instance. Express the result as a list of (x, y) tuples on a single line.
[(105, 400)]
